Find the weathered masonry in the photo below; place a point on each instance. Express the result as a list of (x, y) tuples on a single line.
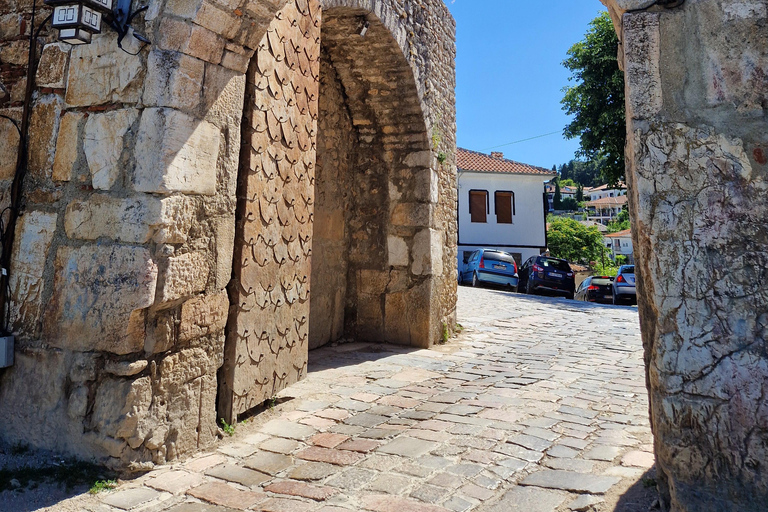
[(697, 156), (181, 203)]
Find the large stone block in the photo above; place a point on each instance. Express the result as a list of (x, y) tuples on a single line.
[(173, 80), (34, 235), (176, 153), (184, 276), (9, 148), (127, 219), (99, 296), (43, 126), (104, 143), (52, 69), (203, 316), (67, 146), (101, 73), (119, 407), (427, 252)]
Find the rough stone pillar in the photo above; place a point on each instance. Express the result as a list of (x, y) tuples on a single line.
[(697, 105)]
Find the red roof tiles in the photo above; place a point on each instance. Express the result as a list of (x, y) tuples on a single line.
[(467, 160)]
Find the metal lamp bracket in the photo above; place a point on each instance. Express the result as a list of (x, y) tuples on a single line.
[(121, 21)]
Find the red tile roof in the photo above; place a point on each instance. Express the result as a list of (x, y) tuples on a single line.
[(609, 201), (621, 234), (467, 160)]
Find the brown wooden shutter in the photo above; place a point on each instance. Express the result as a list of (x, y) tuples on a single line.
[(477, 205), (503, 202)]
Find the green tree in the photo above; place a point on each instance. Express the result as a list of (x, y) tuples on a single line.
[(621, 223), (570, 240), (569, 204), (597, 99), (580, 193), (557, 201)]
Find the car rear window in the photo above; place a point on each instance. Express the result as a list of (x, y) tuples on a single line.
[(499, 256), (601, 282), (556, 264), (628, 270)]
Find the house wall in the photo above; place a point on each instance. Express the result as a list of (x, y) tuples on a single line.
[(528, 227)]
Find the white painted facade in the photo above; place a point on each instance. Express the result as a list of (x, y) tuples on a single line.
[(602, 193), (620, 244), (526, 235)]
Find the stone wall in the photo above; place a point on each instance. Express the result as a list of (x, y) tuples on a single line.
[(697, 104), (121, 280)]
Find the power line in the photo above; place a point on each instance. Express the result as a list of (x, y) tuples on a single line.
[(524, 140)]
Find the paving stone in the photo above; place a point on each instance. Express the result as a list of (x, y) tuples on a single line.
[(602, 452), (543, 433), (203, 463), (429, 435), (328, 440), (237, 474), (560, 451), (410, 468), (638, 459), (530, 442), (280, 445), (488, 480), (359, 445), (457, 504), (526, 499), (447, 480), (199, 507), (317, 422), (312, 405), (366, 420), (226, 495), (175, 482), (571, 442), (379, 503), (131, 498), (289, 429), (381, 462), (570, 481), (285, 505), (338, 457), (390, 484), (465, 470), (430, 493), (333, 414), (625, 472), (417, 415), (312, 471), (349, 430), (585, 503), (301, 489), (268, 462), (463, 410), (519, 452), (352, 405), (407, 447), (238, 450), (578, 465), (352, 479)]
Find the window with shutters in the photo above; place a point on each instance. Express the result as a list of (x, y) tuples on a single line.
[(478, 205), (505, 206)]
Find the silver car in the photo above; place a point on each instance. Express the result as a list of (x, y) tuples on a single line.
[(623, 288)]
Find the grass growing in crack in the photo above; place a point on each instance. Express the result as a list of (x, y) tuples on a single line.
[(228, 429), (69, 474), (649, 482), (102, 485)]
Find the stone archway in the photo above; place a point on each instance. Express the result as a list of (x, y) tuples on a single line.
[(335, 183)]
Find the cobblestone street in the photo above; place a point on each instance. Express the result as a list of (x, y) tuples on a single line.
[(538, 406)]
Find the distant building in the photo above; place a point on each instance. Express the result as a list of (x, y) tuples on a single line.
[(501, 205), (603, 191), (549, 189), (620, 244), (606, 209)]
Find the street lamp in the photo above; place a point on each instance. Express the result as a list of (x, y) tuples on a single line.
[(78, 20)]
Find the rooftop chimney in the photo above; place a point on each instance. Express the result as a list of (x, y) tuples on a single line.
[(497, 154)]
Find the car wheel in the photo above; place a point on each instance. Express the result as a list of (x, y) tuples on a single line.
[(528, 288), (569, 296), (616, 300), (475, 281)]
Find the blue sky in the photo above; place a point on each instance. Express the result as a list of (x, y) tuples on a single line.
[(509, 74)]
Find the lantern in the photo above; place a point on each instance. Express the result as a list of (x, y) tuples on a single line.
[(78, 20)]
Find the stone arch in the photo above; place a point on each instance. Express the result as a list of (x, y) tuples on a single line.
[(134, 369), (361, 165)]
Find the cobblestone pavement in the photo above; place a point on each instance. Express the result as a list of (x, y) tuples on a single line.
[(538, 406)]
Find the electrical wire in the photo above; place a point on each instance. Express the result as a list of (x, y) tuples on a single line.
[(524, 140)]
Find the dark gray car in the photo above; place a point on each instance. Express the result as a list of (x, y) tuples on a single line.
[(623, 287)]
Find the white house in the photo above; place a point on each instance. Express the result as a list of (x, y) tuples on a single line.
[(620, 244), (606, 209), (501, 205), (603, 191)]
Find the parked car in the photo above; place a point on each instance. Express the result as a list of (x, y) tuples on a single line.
[(546, 274), (489, 266), (596, 289), (623, 289)]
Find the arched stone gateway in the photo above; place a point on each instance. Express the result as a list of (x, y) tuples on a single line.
[(150, 175), (175, 198)]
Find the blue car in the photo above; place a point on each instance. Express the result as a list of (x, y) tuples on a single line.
[(624, 286), (489, 266)]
